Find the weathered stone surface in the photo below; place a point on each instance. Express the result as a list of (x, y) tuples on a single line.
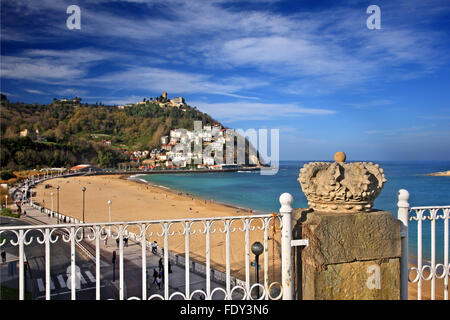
[(340, 186), (338, 238), (352, 281), (341, 247)]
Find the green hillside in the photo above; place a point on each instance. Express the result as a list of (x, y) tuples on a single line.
[(63, 134)]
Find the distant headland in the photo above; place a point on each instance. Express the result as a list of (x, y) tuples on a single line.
[(440, 174)]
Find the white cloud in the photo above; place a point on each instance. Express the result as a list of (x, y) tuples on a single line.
[(303, 53), (243, 110), (177, 82), (33, 91), (53, 66), (37, 69)]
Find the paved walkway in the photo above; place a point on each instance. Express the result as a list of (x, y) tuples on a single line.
[(132, 265)]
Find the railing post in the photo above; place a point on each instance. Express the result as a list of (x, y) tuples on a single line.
[(286, 200), (403, 212)]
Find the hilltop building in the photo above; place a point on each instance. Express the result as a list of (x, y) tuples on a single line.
[(33, 135), (162, 101)]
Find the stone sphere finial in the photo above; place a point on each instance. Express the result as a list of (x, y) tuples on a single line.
[(340, 156)]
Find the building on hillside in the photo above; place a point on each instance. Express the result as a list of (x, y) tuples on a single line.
[(179, 163), (149, 162), (168, 164), (153, 153), (208, 161), (177, 102), (33, 135), (164, 102), (164, 140), (178, 133)]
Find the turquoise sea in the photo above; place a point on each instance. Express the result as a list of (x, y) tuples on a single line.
[(261, 193)]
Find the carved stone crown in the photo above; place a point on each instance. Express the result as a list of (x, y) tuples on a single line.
[(341, 187)]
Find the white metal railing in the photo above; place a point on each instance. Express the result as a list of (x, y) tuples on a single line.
[(141, 231), (425, 270)]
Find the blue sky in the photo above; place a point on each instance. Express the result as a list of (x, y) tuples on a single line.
[(309, 68)]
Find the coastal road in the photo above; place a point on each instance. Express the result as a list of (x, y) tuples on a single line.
[(59, 268)]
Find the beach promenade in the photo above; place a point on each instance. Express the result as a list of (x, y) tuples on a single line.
[(133, 201), (132, 265)]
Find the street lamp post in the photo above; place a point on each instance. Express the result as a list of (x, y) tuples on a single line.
[(57, 203), (257, 249), (84, 190), (53, 214), (109, 211)]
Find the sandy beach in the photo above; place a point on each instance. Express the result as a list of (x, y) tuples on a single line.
[(133, 201), (138, 201)]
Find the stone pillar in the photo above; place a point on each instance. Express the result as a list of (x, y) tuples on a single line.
[(354, 251)]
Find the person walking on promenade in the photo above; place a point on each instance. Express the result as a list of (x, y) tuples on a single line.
[(158, 281), (3, 256), (161, 274), (117, 241), (155, 276), (126, 241), (161, 265), (170, 267), (154, 247)]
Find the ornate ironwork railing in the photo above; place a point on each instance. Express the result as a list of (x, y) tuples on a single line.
[(424, 270), (75, 232)]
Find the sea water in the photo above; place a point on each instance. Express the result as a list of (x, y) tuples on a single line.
[(250, 189)]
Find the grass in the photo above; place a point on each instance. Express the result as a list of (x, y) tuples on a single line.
[(12, 294), (7, 212)]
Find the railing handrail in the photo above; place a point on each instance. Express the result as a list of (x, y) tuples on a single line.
[(87, 224), (429, 207)]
